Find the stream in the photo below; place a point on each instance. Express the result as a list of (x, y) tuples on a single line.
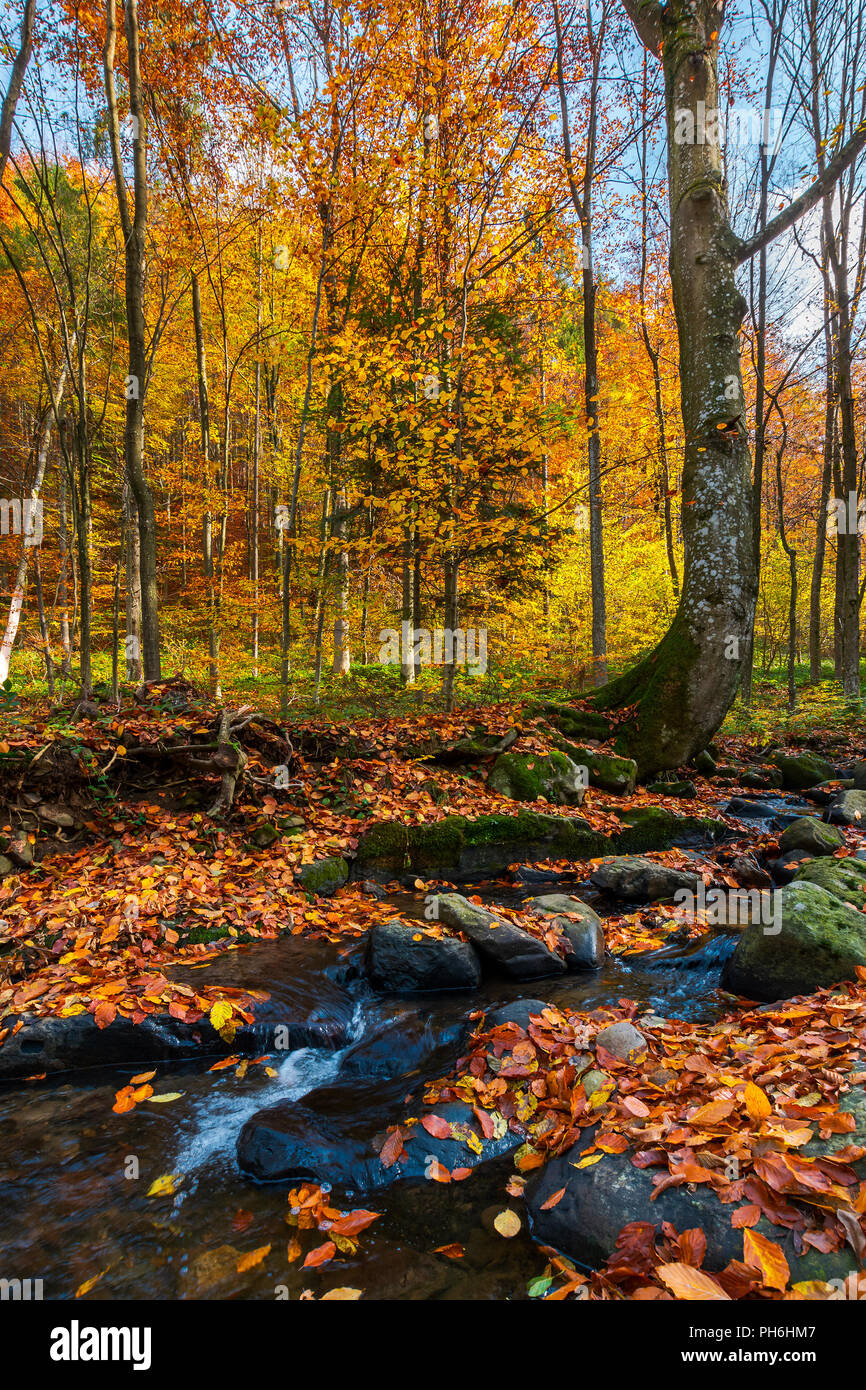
[(74, 1176)]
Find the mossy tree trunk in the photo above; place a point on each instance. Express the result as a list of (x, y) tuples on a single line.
[(667, 707), (676, 698)]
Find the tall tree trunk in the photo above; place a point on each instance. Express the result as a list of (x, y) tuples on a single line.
[(135, 233), (16, 604)]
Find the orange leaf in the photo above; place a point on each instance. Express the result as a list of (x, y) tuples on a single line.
[(684, 1281), (252, 1258), (320, 1256), (768, 1257)]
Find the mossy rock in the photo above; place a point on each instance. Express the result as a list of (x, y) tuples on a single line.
[(849, 809), (606, 771), (803, 770), (264, 835), (844, 878), (324, 876), (819, 942), (704, 763), (576, 723), (531, 776), (384, 847), (455, 846), (811, 835), (678, 789), (654, 828)]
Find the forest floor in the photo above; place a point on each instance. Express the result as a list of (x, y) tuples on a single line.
[(123, 891)]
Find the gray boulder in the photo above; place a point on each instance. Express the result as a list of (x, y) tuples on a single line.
[(849, 809), (507, 947), (812, 836), (632, 878), (585, 936), (403, 958)]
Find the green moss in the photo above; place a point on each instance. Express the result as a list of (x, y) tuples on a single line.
[(652, 827), (385, 845), (324, 876), (529, 776), (441, 843)]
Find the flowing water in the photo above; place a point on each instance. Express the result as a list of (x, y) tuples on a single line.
[(74, 1176)]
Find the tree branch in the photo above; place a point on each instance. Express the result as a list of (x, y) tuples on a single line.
[(807, 200)]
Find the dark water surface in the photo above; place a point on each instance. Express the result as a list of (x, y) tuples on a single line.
[(74, 1176)]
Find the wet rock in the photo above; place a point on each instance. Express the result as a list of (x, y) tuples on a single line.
[(811, 836), (844, 878), (324, 876), (211, 1273), (654, 828), (530, 777), (803, 770), (517, 1011), (599, 1200), (334, 1133), (744, 808), (585, 943), (818, 942), (301, 1007), (680, 789), (859, 777), (623, 1040), (633, 879), (406, 958), (749, 873), (704, 763), (784, 869), (511, 950), (849, 809), (594, 1080), (403, 1043), (585, 937)]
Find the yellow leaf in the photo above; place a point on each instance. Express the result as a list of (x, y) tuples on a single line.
[(341, 1295), (768, 1257), (89, 1283), (252, 1258), (588, 1161), (220, 1014), (507, 1223), (166, 1096), (757, 1104), (164, 1186)]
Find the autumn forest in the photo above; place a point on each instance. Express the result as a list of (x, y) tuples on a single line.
[(431, 738)]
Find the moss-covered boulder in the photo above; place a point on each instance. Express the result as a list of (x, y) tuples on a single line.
[(324, 876), (533, 776), (654, 828), (819, 941), (849, 809), (812, 836), (844, 878), (455, 847), (606, 771), (679, 789), (802, 770)]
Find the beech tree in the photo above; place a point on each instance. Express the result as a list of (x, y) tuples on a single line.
[(671, 703)]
